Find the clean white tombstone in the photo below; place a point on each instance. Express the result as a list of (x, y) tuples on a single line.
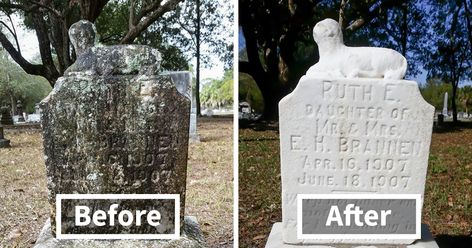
[(353, 129)]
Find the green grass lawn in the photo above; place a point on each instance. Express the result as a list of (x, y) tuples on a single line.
[(448, 194)]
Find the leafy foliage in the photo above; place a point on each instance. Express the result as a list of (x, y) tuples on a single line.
[(52, 19), (218, 93), (249, 92), (15, 84), (112, 25), (433, 92), (450, 43), (280, 46), (181, 28)]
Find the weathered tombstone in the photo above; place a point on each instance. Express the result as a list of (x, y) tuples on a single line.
[(6, 116), (444, 111), (19, 111), (3, 142), (113, 125), (183, 82), (348, 131)]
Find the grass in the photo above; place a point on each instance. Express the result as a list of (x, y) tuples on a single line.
[(23, 193), (448, 194)]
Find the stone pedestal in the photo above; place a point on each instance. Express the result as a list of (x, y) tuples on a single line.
[(191, 237), (275, 241)]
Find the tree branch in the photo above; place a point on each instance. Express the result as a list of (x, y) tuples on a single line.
[(146, 22), (27, 66), (132, 14), (52, 10), (361, 21), (342, 7), (13, 34), (148, 9)]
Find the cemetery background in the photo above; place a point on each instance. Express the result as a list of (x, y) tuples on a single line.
[(435, 38), (180, 31)]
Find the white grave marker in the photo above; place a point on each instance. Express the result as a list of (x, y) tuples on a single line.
[(343, 135)]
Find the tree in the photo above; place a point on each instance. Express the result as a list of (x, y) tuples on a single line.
[(448, 56), (52, 19), (15, 84), (433, 92), (249, 92), (279, 43), (112, 24), (199, 23), (218, 93)]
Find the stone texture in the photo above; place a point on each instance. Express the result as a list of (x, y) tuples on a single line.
[(339, 61), (275, 241), (352, 136), (115, 135), (110, 126), (191, 237)]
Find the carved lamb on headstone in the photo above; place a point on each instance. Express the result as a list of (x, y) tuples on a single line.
[(340, 61), (97, 59)]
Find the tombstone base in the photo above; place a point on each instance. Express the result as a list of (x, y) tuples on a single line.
[(275, 241), (4, 143), (194, 138), (192, 237)]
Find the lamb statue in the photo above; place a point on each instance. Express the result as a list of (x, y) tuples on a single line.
[(340, 61), (97, 59)]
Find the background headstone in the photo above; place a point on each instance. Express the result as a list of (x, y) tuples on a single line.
[(19, 111), (6, 116), (444, 111), (183, 82)]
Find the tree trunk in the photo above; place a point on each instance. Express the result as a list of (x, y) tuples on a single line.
[(404, 29), (453, 99), (197, 83), (13, 104), (271, 104)]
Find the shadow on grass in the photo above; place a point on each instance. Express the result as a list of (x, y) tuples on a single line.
[(259, 125), (454, 241), (449, 127)]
